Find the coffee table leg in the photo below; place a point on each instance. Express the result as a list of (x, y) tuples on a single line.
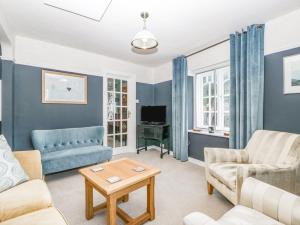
[(125, 198), (150, 198), (89, 212), (111, 210)]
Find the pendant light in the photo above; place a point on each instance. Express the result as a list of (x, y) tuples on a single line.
[(144, 39)]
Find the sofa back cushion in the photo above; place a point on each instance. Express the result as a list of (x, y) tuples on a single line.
[(60, 139), (273, 147), (271, 201)]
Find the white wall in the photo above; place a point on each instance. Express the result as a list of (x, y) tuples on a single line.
[(6, 40), (213, 56), (282, 33), (48, 55)]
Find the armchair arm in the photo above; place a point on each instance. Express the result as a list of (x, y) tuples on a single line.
[(214, 155), (281, 176), (31, 163), (197, 218), (271, 201)]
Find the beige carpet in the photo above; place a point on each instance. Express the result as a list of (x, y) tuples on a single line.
[(180, 189)]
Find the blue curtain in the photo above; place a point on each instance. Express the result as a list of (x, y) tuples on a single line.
[(180, 109), (246, 84)]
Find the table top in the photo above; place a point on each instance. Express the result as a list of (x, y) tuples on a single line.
[(122, 168)]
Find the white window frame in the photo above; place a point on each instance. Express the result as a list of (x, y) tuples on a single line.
[(198, 98)]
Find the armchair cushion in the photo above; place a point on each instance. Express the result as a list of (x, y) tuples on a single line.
[(225, 173), (49, 216), (24, 198), (197, 218), (241, 215)]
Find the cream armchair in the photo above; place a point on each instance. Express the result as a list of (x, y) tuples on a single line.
[(260, 204), (270, 156), (29, 203)]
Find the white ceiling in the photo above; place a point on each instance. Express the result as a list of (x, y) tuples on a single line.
[(180, 26)]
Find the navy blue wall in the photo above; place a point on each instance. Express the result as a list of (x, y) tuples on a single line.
[(281, 112), (28, 112), (145, 95), (197, 143)]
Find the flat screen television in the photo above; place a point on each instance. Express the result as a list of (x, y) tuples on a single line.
[(153, 114)]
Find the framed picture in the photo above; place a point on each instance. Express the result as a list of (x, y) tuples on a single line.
[(291, 74), (63, 88)]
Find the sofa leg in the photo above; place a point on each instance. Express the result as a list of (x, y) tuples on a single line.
[(210, 188)]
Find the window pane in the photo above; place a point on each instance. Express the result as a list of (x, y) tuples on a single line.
[(213, 120), (210, 78), (124, 140), (226, 119), (205, 119), (214, 104), (110, 84), (124, 113), (110, 141), (204, 80), (118, 113), (205, 104), (110, 127), (124, 127), (124, 86), (226, 88), (117, 85), (212, 89), (226, 103), (117, 127), (117, 141), (124, 99), (118, 99), (205, 90), (110, 113)]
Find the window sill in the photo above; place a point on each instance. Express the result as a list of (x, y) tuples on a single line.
[(205, 132)]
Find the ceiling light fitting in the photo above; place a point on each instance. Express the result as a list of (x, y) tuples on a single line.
[(144, 39)]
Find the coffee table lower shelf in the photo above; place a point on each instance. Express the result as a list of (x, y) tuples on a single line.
[(111, 204)]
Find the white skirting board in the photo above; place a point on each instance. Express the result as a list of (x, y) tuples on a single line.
[(191, 160)]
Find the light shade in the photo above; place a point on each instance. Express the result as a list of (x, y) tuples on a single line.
[(144, 40)]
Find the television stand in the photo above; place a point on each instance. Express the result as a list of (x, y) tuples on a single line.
[(154, 132)]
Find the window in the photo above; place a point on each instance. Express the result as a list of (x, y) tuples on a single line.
[(212, 94)]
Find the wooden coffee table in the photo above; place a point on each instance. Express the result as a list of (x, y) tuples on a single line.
[(131, 181)]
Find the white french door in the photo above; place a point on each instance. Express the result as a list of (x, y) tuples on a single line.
[(119, 113)]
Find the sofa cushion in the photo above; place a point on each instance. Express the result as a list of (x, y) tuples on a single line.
[(24, 198), (49, 216), (11, 172), (225, 173), (74, 158), (197, 218), (241, 215)]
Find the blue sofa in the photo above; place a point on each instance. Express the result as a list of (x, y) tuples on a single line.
[(64, 149)]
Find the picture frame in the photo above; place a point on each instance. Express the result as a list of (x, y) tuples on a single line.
[(291, 73), (63, 88)]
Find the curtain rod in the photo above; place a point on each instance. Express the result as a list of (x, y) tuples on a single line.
[(211, 46)]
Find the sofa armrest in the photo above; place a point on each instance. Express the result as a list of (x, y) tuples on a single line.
[(281, 176), (31, 163), (271, 201), (214, 155), (197, 218)]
